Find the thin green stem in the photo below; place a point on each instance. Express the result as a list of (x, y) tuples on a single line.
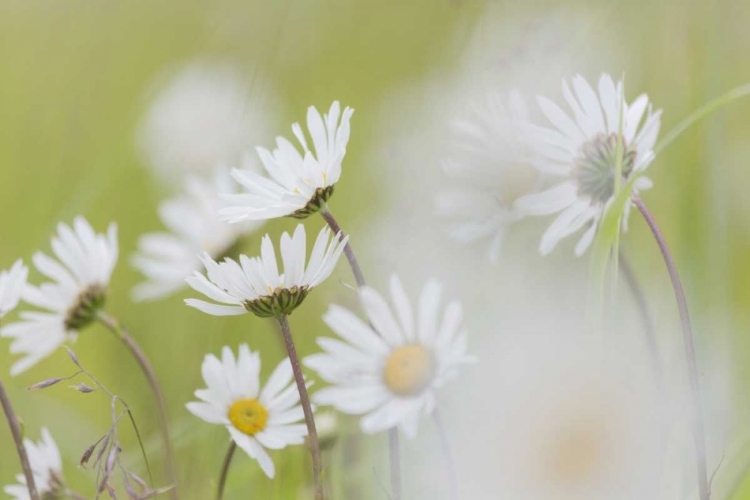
[(449, 463), (115, 327), (687, 333), (225, 470), (312, 433), (15, 430)]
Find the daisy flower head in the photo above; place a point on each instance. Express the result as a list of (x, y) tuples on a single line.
[(193, 225), (256, 285), (46, 465), (72, 300), (300, 183), (583, 151), (489, 168), (12, 283), (390, 369), (257, 418)]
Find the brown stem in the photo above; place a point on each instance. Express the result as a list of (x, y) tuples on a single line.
[(15, 430), (312, 433), (225, 470), (75, 496), (115, 327), (687, 333), (450, 465), (393, 448)]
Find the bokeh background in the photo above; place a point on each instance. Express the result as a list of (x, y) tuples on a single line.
[(77, 78)]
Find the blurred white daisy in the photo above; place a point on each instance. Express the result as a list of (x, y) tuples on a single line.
[(390, 369), (489, 168), (46, 465), (255, 284), (200, 118), (12, 284), (300, 183), (256, 418), (193, 224), (72, 300), (583, 151)]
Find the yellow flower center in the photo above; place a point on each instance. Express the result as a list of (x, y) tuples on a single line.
[(248, 416), (576, 454), (409, 370)]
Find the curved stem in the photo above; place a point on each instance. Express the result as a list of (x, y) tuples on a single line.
[(225, 470), (393, 448), (15, 430), (75, 496), (115, 327), (299, 378), (450, 465), (648, 322), (687, 333)]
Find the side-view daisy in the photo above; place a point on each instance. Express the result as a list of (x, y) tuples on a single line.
[(300, 183), (584, 152), (74, 297), (256, 418), (12, 283), (46, 465), (390, 369), (193, 225), (488, 167), (256, 285)]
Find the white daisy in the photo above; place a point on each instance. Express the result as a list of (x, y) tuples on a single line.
[(255, 284), (300, 183), (201, 117), (46, 465), (489, 168), (192, 219), (78, 292), (256, 418), (390, 371), (582, 150), (12, 284)]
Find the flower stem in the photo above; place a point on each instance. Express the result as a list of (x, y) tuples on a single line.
[(393, 448), (648, 322), (687, 333), (312, 433), (15, 430), (225, 470), (450, 465), (115, 327)]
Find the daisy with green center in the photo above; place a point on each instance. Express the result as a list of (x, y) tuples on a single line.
[(390, 368), (74, 297), (46, 465), (584, 152), (12, 283), (301, 182), (256, 285), (257, 418)]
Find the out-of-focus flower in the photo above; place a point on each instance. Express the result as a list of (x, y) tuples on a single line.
[(583, 151), (390, 371), (255, 284), (73, 299), (192, 219), (46, 465), (202, 118), (12, 284), (489, 168), (256, 418), (300, 184)]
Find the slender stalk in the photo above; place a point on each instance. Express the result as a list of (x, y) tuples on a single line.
[(393, 448), (687, 333), (15, 430), (75, 496), (648, 322), (450, 465), (225, 470), (116, 328), (312, 433)]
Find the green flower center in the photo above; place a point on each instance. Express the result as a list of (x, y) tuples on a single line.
[(313, 206), (87, 305), (278, 302), (594, 169)]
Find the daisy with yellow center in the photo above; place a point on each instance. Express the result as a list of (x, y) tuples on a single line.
[(256, 417), (390, 367)]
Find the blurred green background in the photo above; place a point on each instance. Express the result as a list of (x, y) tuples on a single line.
[(73, 76)]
